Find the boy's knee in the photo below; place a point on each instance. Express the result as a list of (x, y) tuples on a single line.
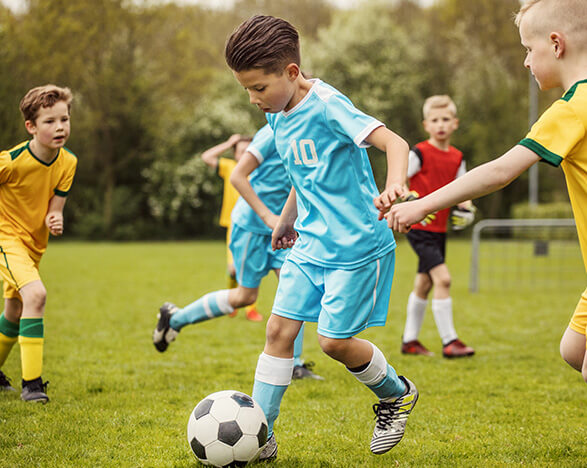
[(245, 296), (34, 295), (330, 346)]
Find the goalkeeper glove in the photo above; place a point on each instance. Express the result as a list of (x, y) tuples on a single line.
[(413, 195), (462, 217)]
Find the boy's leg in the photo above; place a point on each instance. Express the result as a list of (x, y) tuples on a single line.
[(443, 314), (415, 312), (212, 305), (274, 370), (9, 324), (31, 340), (302, 370)]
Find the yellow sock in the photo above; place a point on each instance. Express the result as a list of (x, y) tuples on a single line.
[(252, 306), (8, 336), (31, 340), (6, 343), (231, 282)]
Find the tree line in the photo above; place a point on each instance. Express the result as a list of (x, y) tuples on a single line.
[(152, 91)]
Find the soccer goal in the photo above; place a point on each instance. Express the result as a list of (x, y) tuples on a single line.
[(526, 254)]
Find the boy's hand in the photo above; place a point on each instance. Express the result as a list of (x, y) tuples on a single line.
[(401, 216), (54, 221), (413, 195), (283, 237), (386, 199)]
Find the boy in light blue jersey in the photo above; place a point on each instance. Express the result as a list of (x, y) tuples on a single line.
[(250, 244), (340, 269)]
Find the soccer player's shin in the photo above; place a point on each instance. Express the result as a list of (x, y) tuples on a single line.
[(31, 342), (272, 377), (209, 306), (8, 336)]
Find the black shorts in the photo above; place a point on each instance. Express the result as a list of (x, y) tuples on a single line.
[(430, 248)]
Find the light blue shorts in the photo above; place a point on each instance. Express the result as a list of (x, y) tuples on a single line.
[(343, 302), (253, 256)]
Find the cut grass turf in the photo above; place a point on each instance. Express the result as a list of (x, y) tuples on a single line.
[(116, 401)]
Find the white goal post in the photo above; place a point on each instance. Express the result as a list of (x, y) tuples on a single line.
[(539, 249)]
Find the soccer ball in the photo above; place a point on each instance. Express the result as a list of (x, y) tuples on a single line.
[(227, 428)]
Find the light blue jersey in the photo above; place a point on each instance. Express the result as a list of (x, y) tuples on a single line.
[(321, 143), (269, 181)]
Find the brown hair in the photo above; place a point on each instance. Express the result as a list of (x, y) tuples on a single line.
[(263, 42), (43, 96)]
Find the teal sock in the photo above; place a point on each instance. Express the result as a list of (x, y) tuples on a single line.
[(390, 386), (209, 306), (298, 345)]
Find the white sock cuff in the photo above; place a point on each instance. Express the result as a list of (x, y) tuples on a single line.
[(375, 371), (222, 301), (442, 302), (273, 370), (417, 300)]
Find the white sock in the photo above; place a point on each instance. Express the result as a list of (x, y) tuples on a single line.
[(442, 310), (414, 317)]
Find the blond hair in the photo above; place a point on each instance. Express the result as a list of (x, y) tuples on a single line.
[(439, 102), (565, 16), (43, 96)]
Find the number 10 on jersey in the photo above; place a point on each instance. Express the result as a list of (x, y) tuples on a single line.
[(304, 152)]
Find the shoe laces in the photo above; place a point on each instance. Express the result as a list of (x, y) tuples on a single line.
[(385, 413)]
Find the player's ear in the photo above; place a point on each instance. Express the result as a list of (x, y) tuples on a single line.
[(292, 71), (30, 126), (558, 44), (456, 123)]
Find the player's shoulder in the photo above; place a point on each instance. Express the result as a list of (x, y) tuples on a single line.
[(16, 151), (574, 100), (69, 155)]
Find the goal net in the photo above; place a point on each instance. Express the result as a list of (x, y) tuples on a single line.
[(526, 254)]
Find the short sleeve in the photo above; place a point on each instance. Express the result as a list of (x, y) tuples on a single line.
[(263, 144), (555, 134), (4, 166), (348, 122), (66, 180)]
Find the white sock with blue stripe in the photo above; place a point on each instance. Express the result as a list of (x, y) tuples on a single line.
[(209, 306), (272, 377), (380, 377)]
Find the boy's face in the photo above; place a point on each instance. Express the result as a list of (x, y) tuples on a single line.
[(540, 53), (270, 92), (440, 123), (51, 127)]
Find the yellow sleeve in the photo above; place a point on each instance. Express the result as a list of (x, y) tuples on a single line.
[(66, 180), (556, 133), (5, 166)]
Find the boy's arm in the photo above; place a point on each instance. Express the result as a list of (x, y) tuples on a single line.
[(211, 156), (240, 179), (54, 218), (284, 235), (396, 150), (480, 181)]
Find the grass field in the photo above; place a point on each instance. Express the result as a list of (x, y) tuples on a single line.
[(116, 402)]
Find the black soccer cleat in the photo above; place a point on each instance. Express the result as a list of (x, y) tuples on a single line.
[(163, 333), (5, 383), (34, 390), (305, 372)]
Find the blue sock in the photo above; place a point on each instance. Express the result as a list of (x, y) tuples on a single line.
[(209, 306), (390, 386), (298, 345), (272, 377)]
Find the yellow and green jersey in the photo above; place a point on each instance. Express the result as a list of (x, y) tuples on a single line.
[(558, 137), (230, 195), (27, 184)]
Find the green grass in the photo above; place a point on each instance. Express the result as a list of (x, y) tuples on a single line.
[(116, 402)]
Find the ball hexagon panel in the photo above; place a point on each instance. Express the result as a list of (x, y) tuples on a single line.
[(247, 448), (224, 409), (220, 453), (204, 429), (251, 419)]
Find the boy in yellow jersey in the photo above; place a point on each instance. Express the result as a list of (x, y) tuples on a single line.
[(554, 33), (224, 167), (35, 178)]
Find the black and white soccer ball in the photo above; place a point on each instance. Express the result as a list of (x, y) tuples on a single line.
[(227, 428)]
